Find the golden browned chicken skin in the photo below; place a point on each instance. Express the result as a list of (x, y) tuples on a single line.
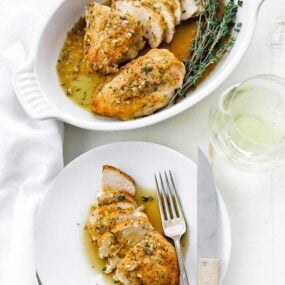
[(143, 86), (111, 38)]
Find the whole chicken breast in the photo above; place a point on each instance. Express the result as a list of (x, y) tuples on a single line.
[(143, 86), (111, 38)]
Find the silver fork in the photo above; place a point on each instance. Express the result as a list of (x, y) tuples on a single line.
[(172, 218)]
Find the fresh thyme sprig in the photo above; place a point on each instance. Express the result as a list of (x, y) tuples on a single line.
[(212, 41)]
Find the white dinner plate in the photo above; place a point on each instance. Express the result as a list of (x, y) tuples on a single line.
[(61, 256)]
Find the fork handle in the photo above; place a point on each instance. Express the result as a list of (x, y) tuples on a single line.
[(183, 274), (208, 271)]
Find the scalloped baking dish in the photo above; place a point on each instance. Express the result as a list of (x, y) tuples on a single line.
[(38, 89)]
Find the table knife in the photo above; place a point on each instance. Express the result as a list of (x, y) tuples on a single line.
[(207, 224)]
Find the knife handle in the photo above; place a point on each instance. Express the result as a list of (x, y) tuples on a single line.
[(208, 271)]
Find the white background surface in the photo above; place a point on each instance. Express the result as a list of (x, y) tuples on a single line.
[(256, 202)]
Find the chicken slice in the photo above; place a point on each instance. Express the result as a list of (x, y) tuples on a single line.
[(106, 198), (111, 38), (191, 8), (151, 261), (175, 6), (152, 22), (143, 86), (169, 18), (116, 180), (104, 218), (124, 235), (161, 7)]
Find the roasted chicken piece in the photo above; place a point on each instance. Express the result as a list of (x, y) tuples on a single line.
[(164, 9), (191, 8), (176, 8), (134, 251), (143, 86), (102, 219), (151, 261), (111, 38), (124, 235), (159, 17), (151, 19), (115, 180)]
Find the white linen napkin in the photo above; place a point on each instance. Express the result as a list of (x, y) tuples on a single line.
[(30, 156)]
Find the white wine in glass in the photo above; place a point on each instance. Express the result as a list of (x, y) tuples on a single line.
[(248, 125)]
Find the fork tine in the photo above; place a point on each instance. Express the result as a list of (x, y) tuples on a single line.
[(164, 198), (177, 200), (170, 195), (159, 198)]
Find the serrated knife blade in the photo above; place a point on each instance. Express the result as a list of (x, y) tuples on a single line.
[(207, 224)]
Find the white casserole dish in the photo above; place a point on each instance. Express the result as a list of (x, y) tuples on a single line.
[(38, 89)]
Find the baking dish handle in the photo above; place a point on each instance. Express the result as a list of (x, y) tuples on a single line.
[(20, 30), (29, 94), (27, 24)]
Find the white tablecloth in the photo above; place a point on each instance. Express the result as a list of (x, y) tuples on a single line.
[(256, 202)]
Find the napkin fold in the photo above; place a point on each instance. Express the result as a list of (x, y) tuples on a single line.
[(30, 154)]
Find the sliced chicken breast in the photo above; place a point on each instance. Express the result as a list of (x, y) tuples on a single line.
[(151, 261), (152, 22), (111, 38), (124, 235), (134, 250), (191, 8), (104, 218), (143, 86), (116, 180), (165, 10), (176, 8), (106, 198)]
